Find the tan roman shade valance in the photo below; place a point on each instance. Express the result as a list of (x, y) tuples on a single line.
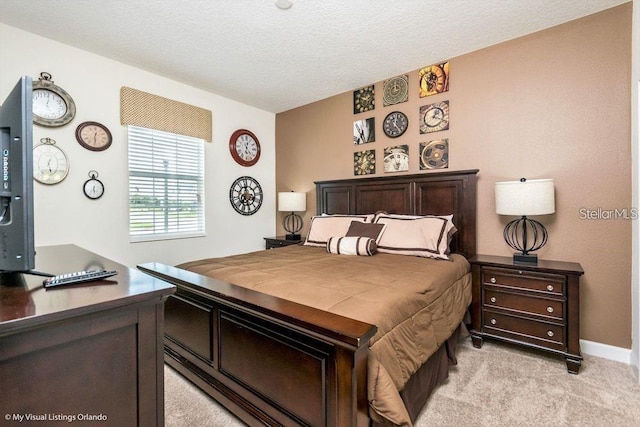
[(144, 109)]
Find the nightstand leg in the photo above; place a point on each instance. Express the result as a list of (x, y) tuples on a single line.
[(573, 365), (476, 341)]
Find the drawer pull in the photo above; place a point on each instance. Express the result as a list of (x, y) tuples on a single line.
[(549, 309), (493, 321), (550, 333), (550, 287), (493, 280), (493, 299)]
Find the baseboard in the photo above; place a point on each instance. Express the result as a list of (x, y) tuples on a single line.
[(606, 351)]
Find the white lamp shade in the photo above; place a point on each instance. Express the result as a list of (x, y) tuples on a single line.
[(525, 198), (292, 202)]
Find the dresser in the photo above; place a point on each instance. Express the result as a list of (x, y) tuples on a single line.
[(537, 306), (85, 354)]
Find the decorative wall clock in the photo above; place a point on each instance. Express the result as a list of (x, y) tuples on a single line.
[(364, 131), (50, 163), (245, 195), (364, 162), (434, 79), (52, 105), (93, 136), (364, 99), (395, 124), (93, 188), (396, 159), (244, 147), (434, 117), (434, 154), (395, 90)]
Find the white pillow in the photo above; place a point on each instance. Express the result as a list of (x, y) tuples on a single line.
[(325, 226), (363, 246), (426, 236)]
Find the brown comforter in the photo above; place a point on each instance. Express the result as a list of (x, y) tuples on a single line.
[(416, 303)]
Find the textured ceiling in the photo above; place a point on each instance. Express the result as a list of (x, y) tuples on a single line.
[(255, 53)]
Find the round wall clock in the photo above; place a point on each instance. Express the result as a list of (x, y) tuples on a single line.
[(245, 195), (52, 105), (50, 163), (364, 99), (364, 162), (244, 147), (395, 90), (93, 136), (93, 188), (434, 117), (395, 124)]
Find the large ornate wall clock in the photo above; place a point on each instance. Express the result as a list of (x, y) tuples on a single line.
[(364, 162), (395, 90), (364, 99), (434, 117), (395, 124), (52, 105), (434, 79), (244, 147), (245, 195)]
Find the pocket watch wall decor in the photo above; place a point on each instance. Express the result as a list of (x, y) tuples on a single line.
[(395, 124), (93, 188), (434, 79), (52, 105), (50, 163), (93, 136), (364, 162), (434, 154), (396, 159), (244, 147), (395, 90), (434, 117), (364, 99), (245, 195)]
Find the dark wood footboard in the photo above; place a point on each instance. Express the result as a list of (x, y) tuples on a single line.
[(268, 360)]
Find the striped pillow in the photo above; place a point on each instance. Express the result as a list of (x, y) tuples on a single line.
[(363, 246)]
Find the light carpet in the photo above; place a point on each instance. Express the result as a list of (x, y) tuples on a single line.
[(497, 385)]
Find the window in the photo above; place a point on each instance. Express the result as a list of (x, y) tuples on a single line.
[(166, 186)]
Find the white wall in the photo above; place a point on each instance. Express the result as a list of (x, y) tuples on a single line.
[(64, 215)]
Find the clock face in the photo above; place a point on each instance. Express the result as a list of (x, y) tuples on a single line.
[(434, 154), (50, 164), (245, 195), (395, 90), (434, 79), (434, 117), (395, 124), (396, 159), (93, 188), (364, 99), (52, 105), (244, 147), (93, 136), (364, 162)]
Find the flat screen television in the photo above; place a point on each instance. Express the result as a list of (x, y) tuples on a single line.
[(17, 246)]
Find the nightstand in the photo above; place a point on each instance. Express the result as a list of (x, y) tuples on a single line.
[(537, 306), (278, 242)]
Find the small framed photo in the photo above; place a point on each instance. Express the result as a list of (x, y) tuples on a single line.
[(364, 162), (364, 131), (434, 154), (434, 79), (396, 159)]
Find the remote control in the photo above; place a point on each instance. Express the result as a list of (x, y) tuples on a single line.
[(77, 277)]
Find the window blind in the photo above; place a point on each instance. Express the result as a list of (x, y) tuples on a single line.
[(166, 185)]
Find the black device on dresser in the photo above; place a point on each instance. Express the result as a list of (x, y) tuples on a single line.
[(279, 241), (537, 306)]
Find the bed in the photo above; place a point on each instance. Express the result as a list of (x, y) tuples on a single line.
[(275, 347)]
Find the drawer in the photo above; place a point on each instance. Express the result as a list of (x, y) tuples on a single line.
[(547, 307), (552, 284), (545, 334)]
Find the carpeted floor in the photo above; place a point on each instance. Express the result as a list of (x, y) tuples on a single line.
[(498, 385)]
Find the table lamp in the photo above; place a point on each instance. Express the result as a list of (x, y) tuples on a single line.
[(292, 202), (525, 198)]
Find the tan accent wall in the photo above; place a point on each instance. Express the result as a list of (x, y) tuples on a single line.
[(554, 104)]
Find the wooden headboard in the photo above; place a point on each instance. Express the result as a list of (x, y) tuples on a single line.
[(439, 193)]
